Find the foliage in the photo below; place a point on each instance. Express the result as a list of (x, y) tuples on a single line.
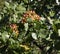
[(29, 27)]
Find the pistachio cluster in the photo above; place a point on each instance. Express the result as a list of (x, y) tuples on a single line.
[(30, 14), (14, 28)]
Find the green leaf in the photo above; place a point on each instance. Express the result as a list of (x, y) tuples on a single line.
[(34, 36), (5, 36), (21, 9), (43, 33), (59, 32), (11, 41), (37, 25), (57, 21), (26, 26), (29, 20), (51, 13), (54, 28), (7, 4), (0, 17), (26, 1)]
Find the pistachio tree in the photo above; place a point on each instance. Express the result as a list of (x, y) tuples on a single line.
[(30, 27)]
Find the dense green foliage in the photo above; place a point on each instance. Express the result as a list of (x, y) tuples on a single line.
[(29, 27)]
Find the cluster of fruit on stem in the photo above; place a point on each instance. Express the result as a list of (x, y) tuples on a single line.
[(14, 28), (30, 14)]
